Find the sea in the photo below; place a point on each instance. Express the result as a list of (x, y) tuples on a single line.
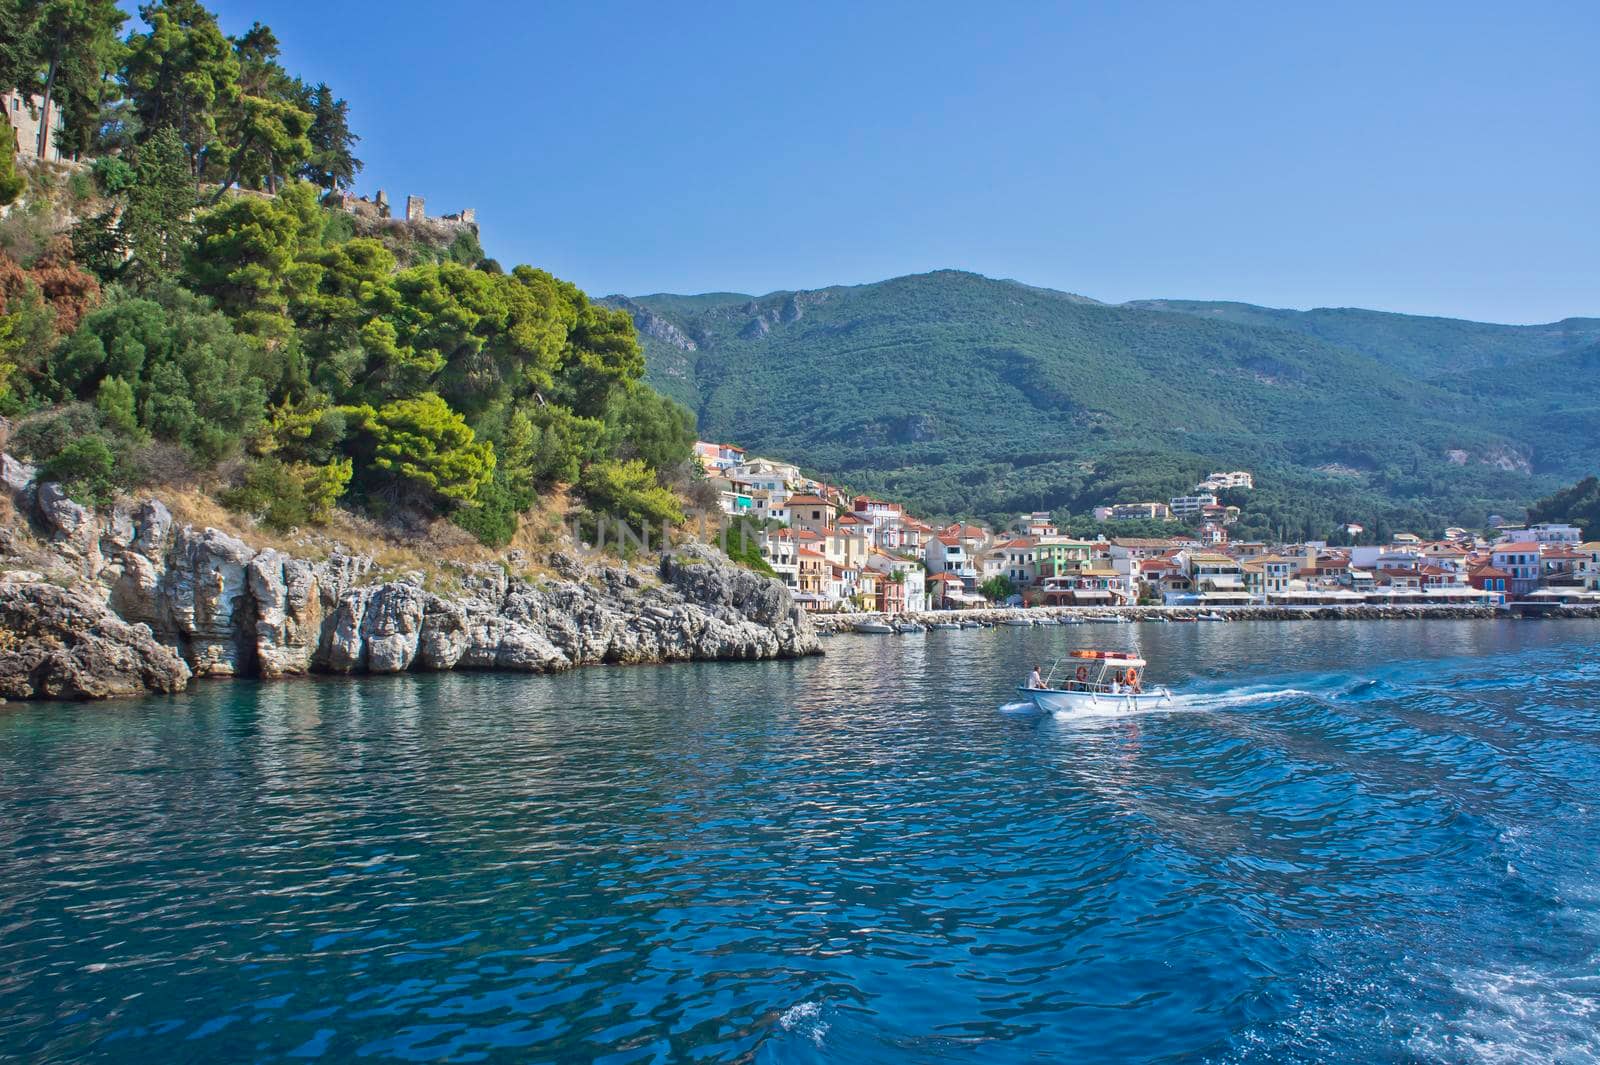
[(1339, 842)]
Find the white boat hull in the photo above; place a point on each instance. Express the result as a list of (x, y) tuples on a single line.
[(1055, 701)]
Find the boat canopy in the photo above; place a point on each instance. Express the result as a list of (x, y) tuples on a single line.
[(1120, 658), (1112, 656)]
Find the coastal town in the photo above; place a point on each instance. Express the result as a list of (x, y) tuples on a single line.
[(844, 552)]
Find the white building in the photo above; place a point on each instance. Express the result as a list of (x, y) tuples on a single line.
[(911, 574), (1546, 532), (1188, 506), (781, 552), (948, 554), (765, 474), (1220, 481)]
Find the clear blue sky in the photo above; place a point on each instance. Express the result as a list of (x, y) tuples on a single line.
[(1430, 158)]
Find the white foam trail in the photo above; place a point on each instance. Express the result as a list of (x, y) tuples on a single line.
[(1024, 707), (805, 1018), (1187, 704), (1517, 1016)]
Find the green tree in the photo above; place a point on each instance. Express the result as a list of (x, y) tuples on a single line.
[(117, 405), (155, 227), (266, 126), (191, 375), (11, 182), (998, 588), (427, 450), (1578, 505), (602, 352), (332, 164), (246, 256), (86, 467), (77, 45), (283, 495), (628, 490), (642, 423), (182, 73)]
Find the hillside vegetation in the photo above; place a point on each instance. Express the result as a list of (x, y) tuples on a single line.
[(158, 326), (961, 394)]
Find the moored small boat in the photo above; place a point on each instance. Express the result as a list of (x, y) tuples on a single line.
[(945, 625), (874, 626), (1020, 623)]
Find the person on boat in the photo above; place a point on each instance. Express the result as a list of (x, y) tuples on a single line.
[(1034, 679), (1133, 682)]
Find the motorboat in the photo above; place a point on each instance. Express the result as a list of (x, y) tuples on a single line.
[(874, 626), (1210, 617), (1101, 680), (1103, 619), (908, 627), (1020, 623), (945, 625)]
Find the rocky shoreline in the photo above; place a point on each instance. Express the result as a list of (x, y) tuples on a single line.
[(850, 623), (132, 602)]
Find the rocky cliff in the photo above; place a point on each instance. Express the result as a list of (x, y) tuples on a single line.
[(132, 601)]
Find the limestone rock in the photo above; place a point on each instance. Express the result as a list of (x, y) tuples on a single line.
[(342, 650), (443, 639), (62, 518), (17, 476), (206, 599), (61, 644), (392, 626), (288, 621)]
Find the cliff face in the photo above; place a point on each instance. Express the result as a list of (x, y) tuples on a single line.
[(150, 603)]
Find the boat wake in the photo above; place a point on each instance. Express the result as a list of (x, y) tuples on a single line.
[(1186, 703)]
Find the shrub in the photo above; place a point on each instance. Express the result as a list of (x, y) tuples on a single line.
[(40, 437), (493, 516), (743, 540), (112, 174), (11, 182), (628, 490), (284, 495), (86, 468)]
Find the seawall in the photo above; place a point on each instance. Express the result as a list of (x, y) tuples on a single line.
[(837, 623)]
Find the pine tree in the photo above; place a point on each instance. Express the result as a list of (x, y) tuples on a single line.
[(156, 227), (332, 165)]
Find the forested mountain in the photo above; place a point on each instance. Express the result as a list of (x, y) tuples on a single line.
[(961, 394), (1425, 347)]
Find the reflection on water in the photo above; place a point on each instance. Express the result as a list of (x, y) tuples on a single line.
[(1344, 841)]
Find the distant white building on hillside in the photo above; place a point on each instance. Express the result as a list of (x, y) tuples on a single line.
[(1189, 506), (1546, 532), (1218, 482)]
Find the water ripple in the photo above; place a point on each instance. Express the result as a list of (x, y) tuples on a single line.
[(1341, 842)]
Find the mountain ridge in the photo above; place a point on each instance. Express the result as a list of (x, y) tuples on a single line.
[(969, 394)]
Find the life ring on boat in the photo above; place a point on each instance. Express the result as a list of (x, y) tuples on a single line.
[(1132, 679), (1083, 674)]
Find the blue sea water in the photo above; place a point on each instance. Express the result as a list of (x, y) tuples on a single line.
[(1343, 842)]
